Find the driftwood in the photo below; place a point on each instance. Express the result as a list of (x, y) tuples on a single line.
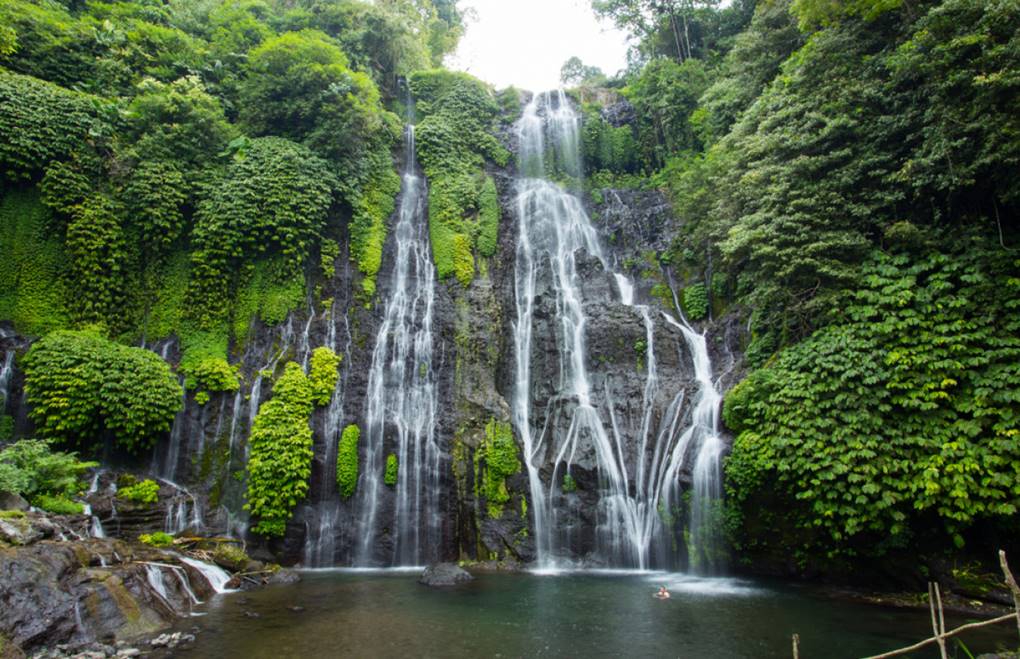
[(938, 620)]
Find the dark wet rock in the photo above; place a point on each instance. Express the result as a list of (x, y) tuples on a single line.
[(444, 574), (9, 501), (69, 596), (620, 113)]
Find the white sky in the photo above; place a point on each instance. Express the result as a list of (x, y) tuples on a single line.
[(525, 42)]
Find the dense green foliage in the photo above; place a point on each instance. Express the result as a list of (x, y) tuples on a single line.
[(454, 139), (83, 389), (31, 282), (495, 460), (392, 467), (156, 539), (232, 136), (347, 461), (281, 452), (146, 491), (32, 469), (323, 373), (907, 406)]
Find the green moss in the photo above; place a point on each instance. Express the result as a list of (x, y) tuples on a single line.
[(371, 207), (6, 427), (495, 460), (695, 302), (146, 491), (454, 140), (390, 478), (32, 266), (157, 539), (57, 504), (463, 260), (569, 484), (347, 461), (323, 373), (329, 250), (488, 218), (12, 514)]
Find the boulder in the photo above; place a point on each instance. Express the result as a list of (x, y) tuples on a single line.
[(10, 501), (444, 574)]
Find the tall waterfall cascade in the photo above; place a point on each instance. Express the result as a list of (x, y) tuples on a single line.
[(638, 477), (401, 400)]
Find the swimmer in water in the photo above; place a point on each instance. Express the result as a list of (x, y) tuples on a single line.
[(663, 594)]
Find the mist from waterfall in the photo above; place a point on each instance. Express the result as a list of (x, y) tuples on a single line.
[(401, 401), (638, 488)]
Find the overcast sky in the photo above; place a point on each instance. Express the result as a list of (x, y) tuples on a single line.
[(525, 42)]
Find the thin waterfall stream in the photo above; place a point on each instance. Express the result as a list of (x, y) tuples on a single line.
[(401, 403), (639, 478)]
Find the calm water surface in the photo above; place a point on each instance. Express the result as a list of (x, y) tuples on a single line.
[(388, 614)]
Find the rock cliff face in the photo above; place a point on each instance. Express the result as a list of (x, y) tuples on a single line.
[(204, 455)]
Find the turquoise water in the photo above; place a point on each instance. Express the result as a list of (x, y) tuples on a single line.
[(388, 614)]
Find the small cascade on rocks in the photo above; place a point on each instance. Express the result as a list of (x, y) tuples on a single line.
[(6, 371), (400, 416), (217, 577), (638, 477)]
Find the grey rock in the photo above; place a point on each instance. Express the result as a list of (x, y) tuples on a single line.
[(444, 574), (11, 501)]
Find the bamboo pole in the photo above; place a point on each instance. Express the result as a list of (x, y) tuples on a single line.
[(954, 632), (796, 646), (1011, 583)]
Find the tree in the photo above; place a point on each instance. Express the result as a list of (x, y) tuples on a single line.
[(575, 72)]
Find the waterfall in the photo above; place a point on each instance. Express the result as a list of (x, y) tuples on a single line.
[(320, 544), (401, 400), (638, 487), (6, 371)]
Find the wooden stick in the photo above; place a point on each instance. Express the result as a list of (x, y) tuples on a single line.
[(1013, 588), (796, 646), (958, 630), (940, 628)]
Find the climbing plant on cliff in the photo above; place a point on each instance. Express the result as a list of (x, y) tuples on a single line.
[(281, 453), (904, 410), (323, 374), (83, 389), (347, 461), (454, 139), (495, 460)]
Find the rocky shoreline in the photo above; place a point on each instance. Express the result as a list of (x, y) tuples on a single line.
[(63, 593)]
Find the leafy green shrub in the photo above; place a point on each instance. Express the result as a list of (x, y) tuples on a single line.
[(695, 302), (901, 412), (454, 139), (498, 452), (210, 373), (569, 484), (281, 453), (323, 374), (155, 194), (41, 123), (146, 491), (390, 477), (347, 461), (30, 468), (58, 504), (6, 427), (32, 289), (274, 199), (95, 242), (157, 539), (81, 386), (372, 204)]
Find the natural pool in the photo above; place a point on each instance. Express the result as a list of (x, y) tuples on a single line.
[(355, 613)]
